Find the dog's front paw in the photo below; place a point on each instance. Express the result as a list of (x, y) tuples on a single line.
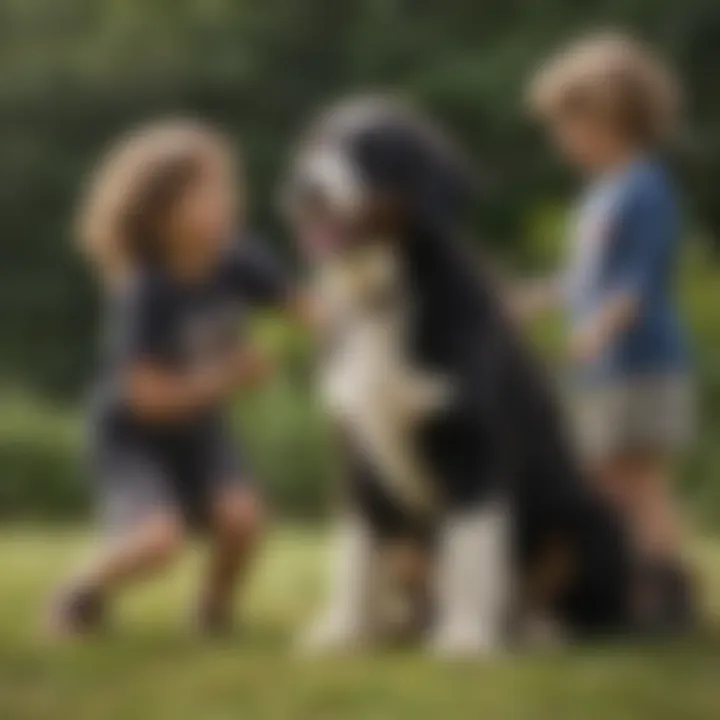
[(463, 641), (331, 636)]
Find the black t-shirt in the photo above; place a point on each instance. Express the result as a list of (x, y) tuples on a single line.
[(181, 326)]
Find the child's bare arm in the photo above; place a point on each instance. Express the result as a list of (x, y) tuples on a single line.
[(615, 317), (159, 395), (535, 297), (303, 307)]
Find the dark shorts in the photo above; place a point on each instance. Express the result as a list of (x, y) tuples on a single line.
[(139, 479)]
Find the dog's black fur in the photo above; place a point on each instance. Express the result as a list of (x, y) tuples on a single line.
[(502, 436)]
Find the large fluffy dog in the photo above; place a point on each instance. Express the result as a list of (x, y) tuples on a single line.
[(451, 434)]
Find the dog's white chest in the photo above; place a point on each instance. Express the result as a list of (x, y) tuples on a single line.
[(366, 376), (375, 392)]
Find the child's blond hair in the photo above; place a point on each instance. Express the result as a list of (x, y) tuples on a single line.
[(135, 185), (614, 79)]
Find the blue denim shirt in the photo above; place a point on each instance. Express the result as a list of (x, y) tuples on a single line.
[(626, 239)]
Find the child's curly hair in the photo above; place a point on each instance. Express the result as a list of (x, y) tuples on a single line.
[(614, 78), (135, 186)]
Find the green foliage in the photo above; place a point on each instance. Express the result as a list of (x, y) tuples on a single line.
[(77, 73), (41, 458), (283, 427), (701, 293)]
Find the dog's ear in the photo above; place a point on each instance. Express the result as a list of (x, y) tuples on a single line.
[(443, 188), (415, 163)]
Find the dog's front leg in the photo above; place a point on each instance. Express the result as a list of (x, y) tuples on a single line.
[(349, 623), (473, 580)]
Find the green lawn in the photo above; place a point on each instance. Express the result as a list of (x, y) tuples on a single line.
[(152, 667)]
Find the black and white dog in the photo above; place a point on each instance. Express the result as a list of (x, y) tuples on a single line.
[(452, 436)]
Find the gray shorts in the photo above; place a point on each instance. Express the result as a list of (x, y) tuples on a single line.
[(653, 413)]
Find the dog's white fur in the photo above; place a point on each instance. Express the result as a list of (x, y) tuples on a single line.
[(473, 583), (351, 618), (369, 383), (372, 388), (335, 178)]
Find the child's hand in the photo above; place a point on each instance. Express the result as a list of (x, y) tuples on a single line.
[(251, 367), (310, 313), (615, 317), (587, 344), (529, 300)]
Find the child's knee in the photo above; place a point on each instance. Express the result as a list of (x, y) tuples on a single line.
[(163, 538), (240, 517), (623, 481), (615, 488)]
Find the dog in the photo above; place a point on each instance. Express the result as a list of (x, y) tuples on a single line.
[(450, 432)]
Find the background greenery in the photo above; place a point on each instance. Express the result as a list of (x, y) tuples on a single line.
[(76, 73)]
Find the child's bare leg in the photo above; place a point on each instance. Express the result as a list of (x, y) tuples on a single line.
[(615, 482), (146, 549), (639, 484), (236, 526), (149, 548), (658, 518)]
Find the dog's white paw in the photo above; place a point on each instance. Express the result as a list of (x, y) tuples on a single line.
[(330, 636), (464, 641)]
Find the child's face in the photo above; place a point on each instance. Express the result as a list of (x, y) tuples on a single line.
[(203, 219), (586, 143)]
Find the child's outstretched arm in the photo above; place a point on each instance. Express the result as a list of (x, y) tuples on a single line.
[(157, 394), (303, 308), (530, 299), (152, 386), (260, 279), (615, 317)]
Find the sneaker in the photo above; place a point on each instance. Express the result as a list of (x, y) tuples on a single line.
[(78, 611), (670, 607)]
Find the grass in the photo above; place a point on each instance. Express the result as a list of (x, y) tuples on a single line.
[(151, 666)]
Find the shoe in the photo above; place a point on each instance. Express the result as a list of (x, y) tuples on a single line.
[(670, 609), (77, 611)]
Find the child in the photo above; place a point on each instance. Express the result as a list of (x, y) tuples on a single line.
[(609, 105), (157, 224)]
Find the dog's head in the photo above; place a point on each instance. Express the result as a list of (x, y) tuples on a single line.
[(373, 168)]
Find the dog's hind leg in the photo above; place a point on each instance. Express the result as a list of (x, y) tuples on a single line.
[(349, 623), (598, 601), (473, 583)]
